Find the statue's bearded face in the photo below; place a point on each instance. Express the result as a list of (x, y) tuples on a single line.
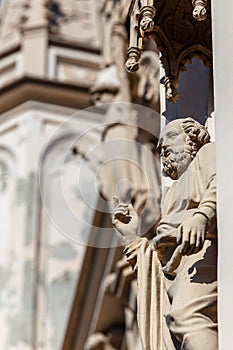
[(174, 155)]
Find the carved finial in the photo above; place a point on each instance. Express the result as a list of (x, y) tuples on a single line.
[(171, 85), (199, 12), (147, 23), (132, 63)]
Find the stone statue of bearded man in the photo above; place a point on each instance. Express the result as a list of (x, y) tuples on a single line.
[(182, 256)]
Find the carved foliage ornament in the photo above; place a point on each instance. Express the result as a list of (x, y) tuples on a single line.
[(199, 12), (142, 13), (181, 30)]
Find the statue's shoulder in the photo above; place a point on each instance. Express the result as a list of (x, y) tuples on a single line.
[(206, 157), (207, 151)]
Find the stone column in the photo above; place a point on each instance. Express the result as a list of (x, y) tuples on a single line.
[(223, 87)]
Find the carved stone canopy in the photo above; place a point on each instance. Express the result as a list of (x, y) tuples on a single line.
[(181, 30)]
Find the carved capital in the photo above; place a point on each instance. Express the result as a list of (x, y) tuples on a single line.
[(132, 63), (171, 85), (199, 12), (147, 15)]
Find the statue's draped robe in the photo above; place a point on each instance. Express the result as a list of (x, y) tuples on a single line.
[(187, 305)]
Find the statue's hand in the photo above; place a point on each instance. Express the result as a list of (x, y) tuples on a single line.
[(191, 234), (126, 221), (165, 237)]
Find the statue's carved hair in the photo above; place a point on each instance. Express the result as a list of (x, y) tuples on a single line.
[(197, 135)]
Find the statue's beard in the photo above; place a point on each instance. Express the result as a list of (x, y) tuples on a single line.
[(175, 163)]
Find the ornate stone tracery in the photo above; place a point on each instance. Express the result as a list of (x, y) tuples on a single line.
[(178, 35)]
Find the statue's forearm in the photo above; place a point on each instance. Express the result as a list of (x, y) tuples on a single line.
[(207, 206)]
